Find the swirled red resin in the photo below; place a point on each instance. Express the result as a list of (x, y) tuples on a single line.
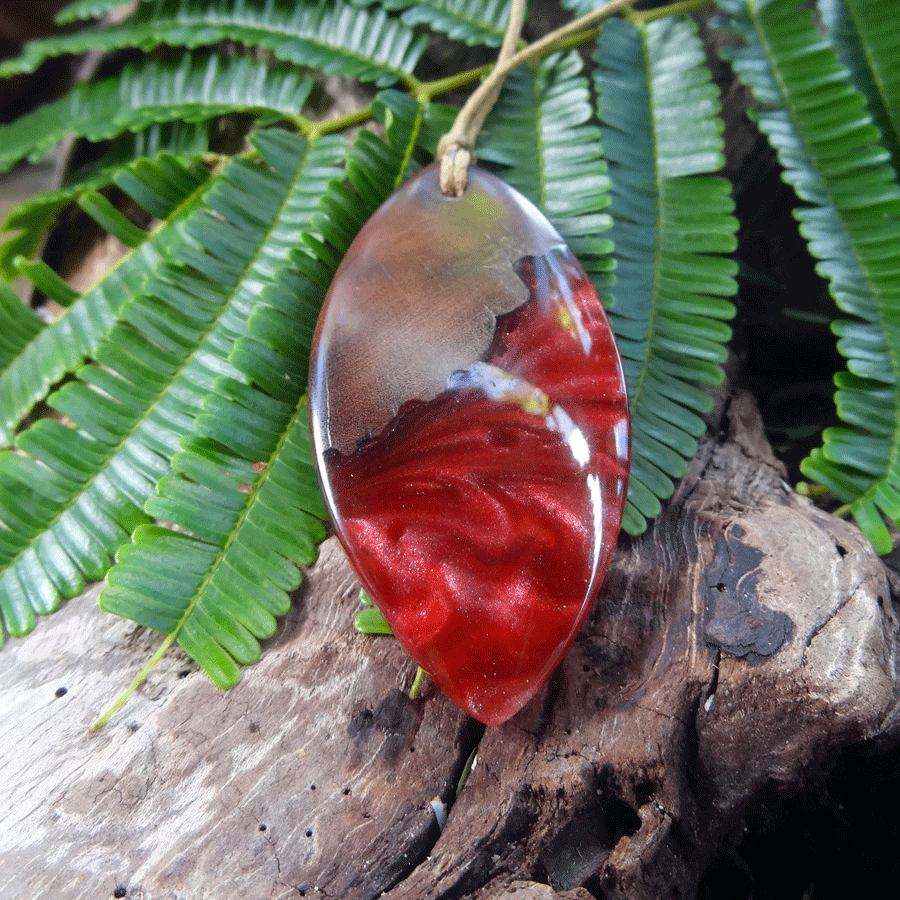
[(470, 424)]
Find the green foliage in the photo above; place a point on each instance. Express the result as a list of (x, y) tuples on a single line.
[(331, 35), (549, 108), (369, 620), (834, 158), (87, 9), (471, 21), (869, 49), (131, 408), (168, 188), (175, 461), (22, 325), (195, 89), (673, 223)]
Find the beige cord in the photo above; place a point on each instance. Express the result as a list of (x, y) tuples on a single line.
[(456, 148)]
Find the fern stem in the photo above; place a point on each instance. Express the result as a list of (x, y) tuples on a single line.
[(638, 17), (429, 89), (416, 686), (312, 130), (141, 678)]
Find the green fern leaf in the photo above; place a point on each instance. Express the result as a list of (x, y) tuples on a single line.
[(167, 188), (274, 352), (870, 51), (672, 223), (832, 157), (19, 325), (187, 140), (331, 35), (47, 281), (251, 471), (131, 409), (33, 217), (220, 591), (194, 89), (540, 127), (471, 21), (87, 9), (111, 220)]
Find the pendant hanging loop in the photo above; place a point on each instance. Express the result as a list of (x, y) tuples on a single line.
[(456, 149), (464, 133), (455, 162)]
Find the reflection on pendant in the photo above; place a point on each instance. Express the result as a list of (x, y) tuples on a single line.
[(470, 425)]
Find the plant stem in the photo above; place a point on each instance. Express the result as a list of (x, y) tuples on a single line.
[(673, 9), (313, 130), (142, 677), (417, 683), (429, 89), (575, 33)]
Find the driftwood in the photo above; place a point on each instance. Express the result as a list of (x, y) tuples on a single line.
[(735, 649)]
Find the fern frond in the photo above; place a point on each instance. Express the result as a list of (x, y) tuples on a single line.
[(832, 157), (251, 471), (870, 48), (19, 325), (540, 127), (194, 89), (33, 217), (672, 225), (471, 21), (273, 354), (131, 409), (188, 140), (220, 591), (87, 9), (167, 188), (331, 35)]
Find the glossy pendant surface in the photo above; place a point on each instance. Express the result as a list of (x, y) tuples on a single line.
[(470, 426)]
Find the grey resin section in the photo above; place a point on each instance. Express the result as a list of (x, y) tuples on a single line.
[(416, 298)]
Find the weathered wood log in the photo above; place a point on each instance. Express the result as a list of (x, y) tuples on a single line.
[(740, 644)]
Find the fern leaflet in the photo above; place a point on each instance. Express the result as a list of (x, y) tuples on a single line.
[(870, 51), (236, 488), (20, 325), (471, 21), (541, 125)]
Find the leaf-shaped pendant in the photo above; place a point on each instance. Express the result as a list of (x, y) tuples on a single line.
[(470, 426)]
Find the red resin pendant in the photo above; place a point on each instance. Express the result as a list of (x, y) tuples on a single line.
[(470, 425)]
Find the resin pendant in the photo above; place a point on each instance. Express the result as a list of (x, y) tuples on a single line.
[(470, 426)]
